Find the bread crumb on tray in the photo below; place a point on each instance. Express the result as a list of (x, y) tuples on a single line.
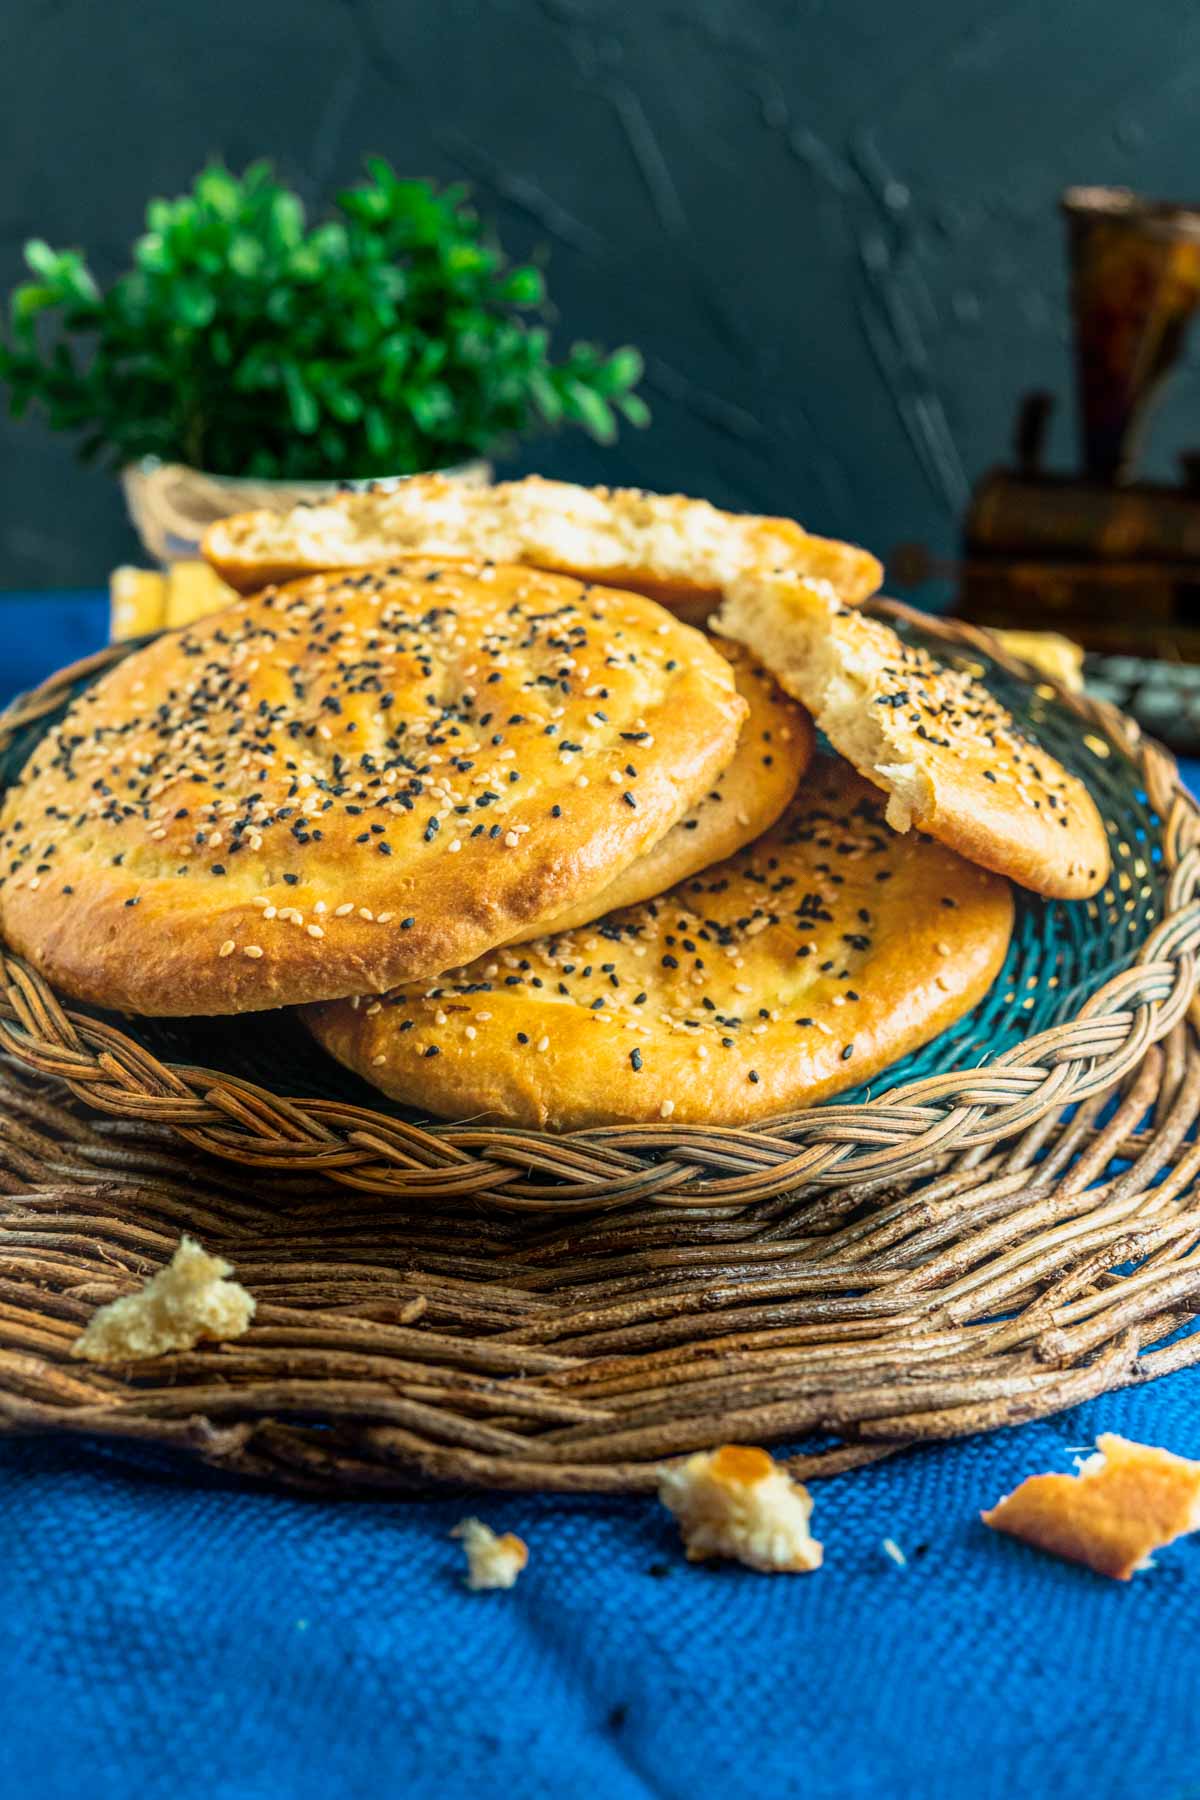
[(188, 1301), (737, 1502), (1126, 1501), (492, 1561)]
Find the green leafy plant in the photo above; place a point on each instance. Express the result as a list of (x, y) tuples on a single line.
[(395, 336)]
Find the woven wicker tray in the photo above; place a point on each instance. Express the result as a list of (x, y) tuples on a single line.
[(948, 1254)]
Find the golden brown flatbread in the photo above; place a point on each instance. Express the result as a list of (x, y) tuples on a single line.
[(352, 781), (773, 752), (800, 967)]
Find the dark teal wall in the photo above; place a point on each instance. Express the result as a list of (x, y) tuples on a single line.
[(830, 224)]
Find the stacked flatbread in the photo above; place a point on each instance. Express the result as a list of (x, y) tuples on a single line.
[(523, 843)]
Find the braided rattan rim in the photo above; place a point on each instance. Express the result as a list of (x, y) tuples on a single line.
[(869, 1144)]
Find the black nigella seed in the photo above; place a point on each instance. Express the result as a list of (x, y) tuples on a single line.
[(407, 924), (628, 798), (433, 1050), (292, 880), (847, 1052), (635, 1059), (754, 1075)]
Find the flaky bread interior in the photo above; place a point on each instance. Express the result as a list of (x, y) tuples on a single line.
[(786, 623), (191, 1299), (950, 757), (738, 1502), (674, 548)]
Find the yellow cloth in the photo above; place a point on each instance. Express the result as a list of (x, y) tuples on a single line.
[(145, 600)]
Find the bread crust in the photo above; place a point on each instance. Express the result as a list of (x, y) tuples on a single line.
[(773, 752), (1126, 1502), (676, 550), (264, 808), (553, 1034), (950, 757)]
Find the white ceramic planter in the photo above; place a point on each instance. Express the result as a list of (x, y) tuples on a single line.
[(172, 505)]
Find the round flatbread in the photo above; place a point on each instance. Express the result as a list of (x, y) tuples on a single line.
[(774, 750), (676, 550), (353, 781), (800, 967), (950, 758)]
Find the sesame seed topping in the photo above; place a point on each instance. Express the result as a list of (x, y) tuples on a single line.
[(401, 704)]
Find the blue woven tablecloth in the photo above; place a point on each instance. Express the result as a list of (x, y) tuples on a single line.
[(167, 1635)]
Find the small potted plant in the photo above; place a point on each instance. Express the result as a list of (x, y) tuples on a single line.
[(247, 358)]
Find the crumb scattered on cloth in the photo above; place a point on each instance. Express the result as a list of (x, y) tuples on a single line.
[(492, 1561), (737, 1502), (1125, 1502)]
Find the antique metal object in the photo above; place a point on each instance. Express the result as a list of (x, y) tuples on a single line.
[(1106, 559)]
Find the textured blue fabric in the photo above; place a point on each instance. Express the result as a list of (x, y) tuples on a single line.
[(167, 1635), (41, 632)]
